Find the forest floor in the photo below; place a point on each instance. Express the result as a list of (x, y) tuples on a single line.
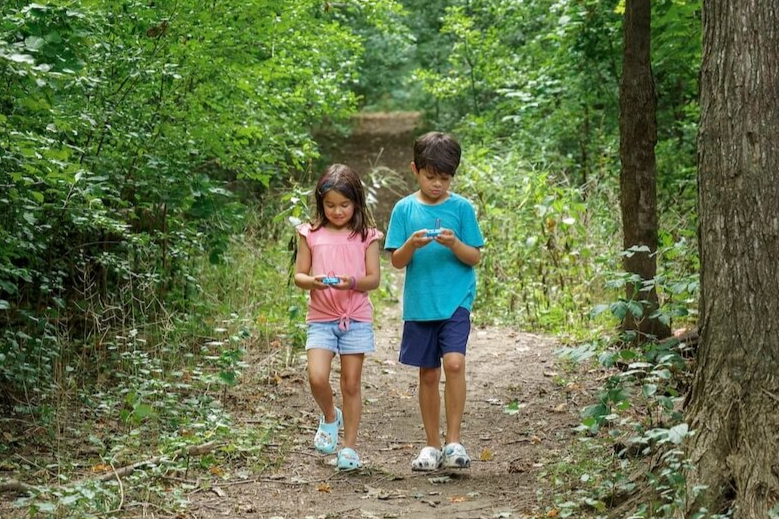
[(515, 448), (522, 408), (518, 422)]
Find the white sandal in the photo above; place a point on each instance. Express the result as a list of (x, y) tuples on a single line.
[(429, 458), (455, 457)]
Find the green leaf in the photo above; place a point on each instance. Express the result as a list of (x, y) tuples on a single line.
[(636, 308), (45, 507), (598, 309), (142, 411), (227, 377), (4, 305), (512, 407), (648, 390), (619, 309), (677, 433)]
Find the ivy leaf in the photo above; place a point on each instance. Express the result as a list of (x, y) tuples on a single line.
[(677, 433)]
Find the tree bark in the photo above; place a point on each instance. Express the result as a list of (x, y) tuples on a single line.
[(637, 181), (733, 402)]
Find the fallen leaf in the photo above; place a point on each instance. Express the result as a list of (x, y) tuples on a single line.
[(486, 455), (457, 499), (323, 487), (554, 512)]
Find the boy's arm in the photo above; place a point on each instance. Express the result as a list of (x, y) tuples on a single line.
[(466, 253), (402, 257)]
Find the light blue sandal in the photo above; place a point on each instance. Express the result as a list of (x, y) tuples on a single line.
[(326, 437), (348, 460)]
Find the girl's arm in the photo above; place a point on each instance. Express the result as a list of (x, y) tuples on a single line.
[(303, 277), (372, 269)]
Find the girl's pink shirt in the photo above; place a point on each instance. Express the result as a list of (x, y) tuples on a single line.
[(339, 254)]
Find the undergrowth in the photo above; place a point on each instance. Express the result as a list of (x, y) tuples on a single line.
[(162, 396)]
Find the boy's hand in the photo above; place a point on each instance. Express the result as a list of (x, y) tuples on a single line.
[(447, 238), (419, 239)]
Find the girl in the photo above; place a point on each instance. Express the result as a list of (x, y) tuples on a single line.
[(338, 261)]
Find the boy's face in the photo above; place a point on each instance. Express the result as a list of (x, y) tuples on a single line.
[(433, 187)]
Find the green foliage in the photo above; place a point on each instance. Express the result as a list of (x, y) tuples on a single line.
[(124, 131), (542, 240), (162, 387)]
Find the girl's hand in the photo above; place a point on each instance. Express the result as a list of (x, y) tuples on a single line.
[(316, 282), (345, 284)]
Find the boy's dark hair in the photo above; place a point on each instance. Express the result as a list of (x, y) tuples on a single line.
[(437, 152), (344, 180)]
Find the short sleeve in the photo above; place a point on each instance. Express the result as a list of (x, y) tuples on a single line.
[(304, 229), (396, 235), (373, 235), (471, 233)]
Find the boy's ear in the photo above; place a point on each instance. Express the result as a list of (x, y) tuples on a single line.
[(414, 168)]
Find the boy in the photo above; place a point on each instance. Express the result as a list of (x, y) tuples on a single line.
[(434, 234)]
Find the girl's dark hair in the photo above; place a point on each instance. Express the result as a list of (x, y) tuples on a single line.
[(437, 152), (344, 180)]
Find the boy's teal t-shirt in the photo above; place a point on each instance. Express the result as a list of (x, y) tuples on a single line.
[(437, 283)]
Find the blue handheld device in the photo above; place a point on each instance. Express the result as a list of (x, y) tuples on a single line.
[(432, 233)]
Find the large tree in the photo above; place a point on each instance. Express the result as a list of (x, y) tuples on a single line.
[(735, 394), (637, 181)]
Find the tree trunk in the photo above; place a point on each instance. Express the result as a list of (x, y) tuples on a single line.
[(637, 181), (733, 402)]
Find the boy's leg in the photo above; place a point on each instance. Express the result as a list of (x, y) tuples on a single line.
[(430, 404), (454, 394), (319, 360), (454, 340), (351, 389)]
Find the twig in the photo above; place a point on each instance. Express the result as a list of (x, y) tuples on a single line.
[(192, 450), (13, 485), (771, 395), (121, 491)]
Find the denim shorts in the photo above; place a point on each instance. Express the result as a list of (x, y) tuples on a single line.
[(425, 342), (357, 339)]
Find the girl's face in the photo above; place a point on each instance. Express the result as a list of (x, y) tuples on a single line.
[(338, 209)]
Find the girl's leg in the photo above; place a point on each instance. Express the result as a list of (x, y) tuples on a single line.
[(319, 360), (351, 389), (454, 394), (430, 404)]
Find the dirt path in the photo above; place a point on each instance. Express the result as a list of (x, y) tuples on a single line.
[(511, 447)]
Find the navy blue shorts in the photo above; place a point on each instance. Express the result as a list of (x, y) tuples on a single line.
[(425, 342)]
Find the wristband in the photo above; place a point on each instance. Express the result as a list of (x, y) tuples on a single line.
[(353, 283)]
